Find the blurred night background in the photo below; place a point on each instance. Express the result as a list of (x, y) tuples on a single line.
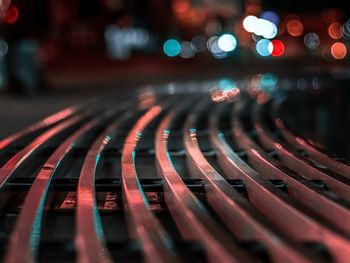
[(54, 53)]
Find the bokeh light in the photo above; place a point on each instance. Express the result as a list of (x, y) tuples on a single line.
[(270, 16), (278, 48), (10, 16), (295, 28), (268, 79), (187, 50), (266, 29), (210, 43), (3, 48), (226, 90), (181, 6), (226, 84), (268, 82), (227, 42), (172, 47), (120, 42), (260, 27), (338, 50), (312, 40), (264, 47), (249, 23), (335, 31), (213, 47), (346, 29)]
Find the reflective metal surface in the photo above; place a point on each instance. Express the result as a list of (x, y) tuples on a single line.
[(182, 172)]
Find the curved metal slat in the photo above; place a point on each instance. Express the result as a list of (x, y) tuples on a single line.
[(89, 235), (298, 142), (275, 204), (25, 237), (304, 214), (232, 208), (144, 226), (15, 161), (9, 168), (45, 123), (296, 163), (300, 189), (190, 216)]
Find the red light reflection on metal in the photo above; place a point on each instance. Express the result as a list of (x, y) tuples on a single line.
[(222, 95), (262, 97), (8, 169), (89, 241), (309, 146), (298, 188), (279, 123), (143, 225), (189, 215), (46, 122), (29, 221)]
